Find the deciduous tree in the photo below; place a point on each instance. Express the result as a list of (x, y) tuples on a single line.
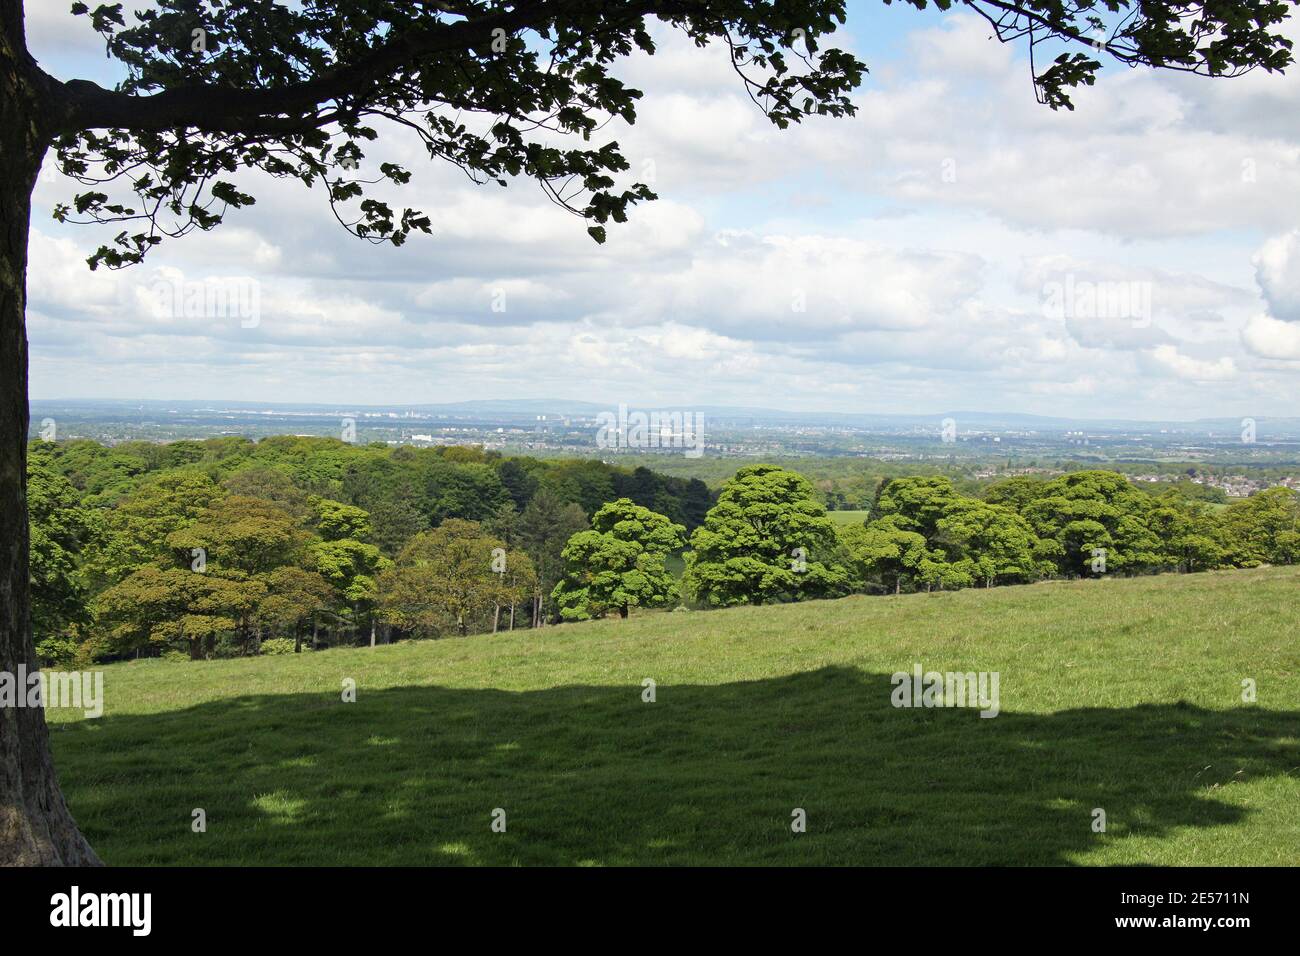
[(60, 528), (767, 539), (618, 564), (544, 528), (453, 579)]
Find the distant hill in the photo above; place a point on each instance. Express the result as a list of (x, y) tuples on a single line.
[(532, 409)]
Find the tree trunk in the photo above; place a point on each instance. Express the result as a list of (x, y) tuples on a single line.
[(372, 632), (35, 825)]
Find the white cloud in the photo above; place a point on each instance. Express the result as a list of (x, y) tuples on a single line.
[(1192, 369), (1272, 338), (1277, 269)]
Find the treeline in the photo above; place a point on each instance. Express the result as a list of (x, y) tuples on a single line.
[(922, 534), (229, 546), (769, 539), (850, 483), (843, 482)]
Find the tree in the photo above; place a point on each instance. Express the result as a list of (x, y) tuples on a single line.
[(915, 504), (351, 567), (295, 597), (296, 90), (1087, 512), (995, 542), (503, 523), (388, 488), (519, 581), (60, 529), (586, 483), (97, 471), (251, 535), (335, 521), (884, 552), (136, 530), (963, 540), (1262, 529), (269, 484), (518, 481), (767, 538), (618, 564), (544, 528), (452, 579), (1015, 493), (936, 571), (1191, 536), (158, 606), (397, 519), (469, 490)]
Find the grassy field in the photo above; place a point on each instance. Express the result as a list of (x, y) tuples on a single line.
[(1123, 695), (848, 517)]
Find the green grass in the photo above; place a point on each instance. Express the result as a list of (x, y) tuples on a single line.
[(848, 517), (1118, 694)]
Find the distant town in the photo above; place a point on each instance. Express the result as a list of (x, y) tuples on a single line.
[(1234, 457)]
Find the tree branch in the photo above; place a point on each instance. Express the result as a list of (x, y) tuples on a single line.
[(89, 106)]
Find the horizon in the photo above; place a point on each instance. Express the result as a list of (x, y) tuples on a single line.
[(652, 406)]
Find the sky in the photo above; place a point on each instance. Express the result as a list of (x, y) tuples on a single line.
[(955, 245)]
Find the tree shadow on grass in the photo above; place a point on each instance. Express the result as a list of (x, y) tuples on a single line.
[(705, 775)]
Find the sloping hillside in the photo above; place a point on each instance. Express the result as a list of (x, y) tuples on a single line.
[(1120, 695)]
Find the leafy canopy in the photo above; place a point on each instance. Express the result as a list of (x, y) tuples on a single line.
[(452, 578), (501, 89), (618, 564), (767, 538)]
